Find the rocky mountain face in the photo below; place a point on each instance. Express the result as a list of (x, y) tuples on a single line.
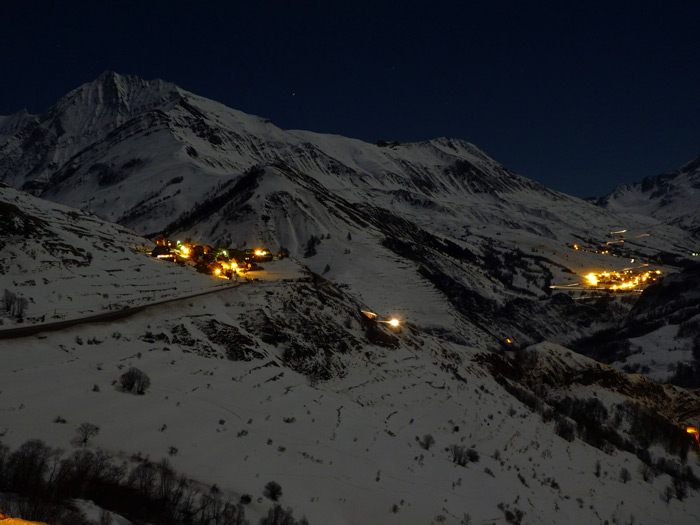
[(669, 197)]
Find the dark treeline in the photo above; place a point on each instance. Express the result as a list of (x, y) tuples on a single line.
[(38, 481)]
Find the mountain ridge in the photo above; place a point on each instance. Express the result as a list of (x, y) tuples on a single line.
[(669, 197)]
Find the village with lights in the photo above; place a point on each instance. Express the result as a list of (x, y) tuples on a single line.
[(627, 280), (630, 280), (230, 263), (215, 261)]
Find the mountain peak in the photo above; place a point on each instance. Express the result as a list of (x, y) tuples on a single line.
[(124, 95), (670, 197), (12, 123), (109, 75)]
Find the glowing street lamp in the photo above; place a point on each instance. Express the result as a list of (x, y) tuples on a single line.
[(393, 322)]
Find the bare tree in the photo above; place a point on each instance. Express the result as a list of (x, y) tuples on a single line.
[(427, 442), (84, 432), (20, 307), (459, 455), (143, 478), (647, 472), (26, 467), (233, 514), (135, 380), (278, 516), (625, 475), (8, 299), (167, 480), (273, 490), (667, 494), (13, 304)]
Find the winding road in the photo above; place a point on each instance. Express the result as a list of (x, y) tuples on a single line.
[(24, 331)]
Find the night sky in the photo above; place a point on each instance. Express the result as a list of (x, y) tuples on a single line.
[(578, 95)]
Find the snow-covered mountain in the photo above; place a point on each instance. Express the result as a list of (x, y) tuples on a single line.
[(669, 197), (467, 240), (284, 379), (108, 137)]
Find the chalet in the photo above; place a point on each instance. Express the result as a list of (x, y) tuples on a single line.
[(258, 255), (162, 252)]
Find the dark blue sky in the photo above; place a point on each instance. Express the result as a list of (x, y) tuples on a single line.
[(577, 95)]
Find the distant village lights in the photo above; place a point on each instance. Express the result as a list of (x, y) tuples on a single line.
[(630, 279), (213, 260)]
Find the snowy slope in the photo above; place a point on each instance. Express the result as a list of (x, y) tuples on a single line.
[(285, 380), (69, 264), (344, 451)]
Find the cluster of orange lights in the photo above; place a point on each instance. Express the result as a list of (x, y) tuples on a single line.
[(693, 430), (579, 249), (211, 260), (626, 280), (223, 267)]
